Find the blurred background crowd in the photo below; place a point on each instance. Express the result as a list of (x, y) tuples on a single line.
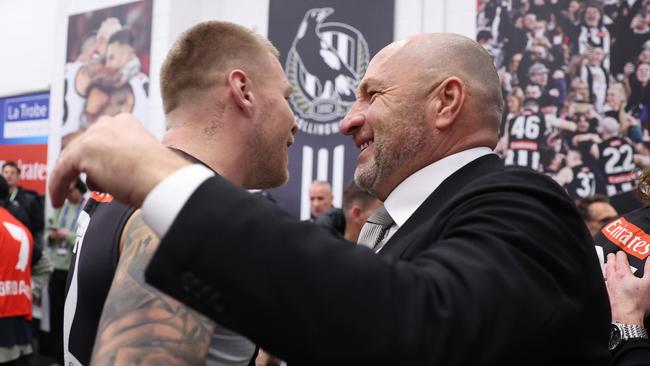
[(575, 76)]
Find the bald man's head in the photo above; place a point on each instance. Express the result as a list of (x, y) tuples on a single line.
[(442, 55), (422, 99)]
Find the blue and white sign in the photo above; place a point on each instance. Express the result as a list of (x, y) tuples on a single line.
[(25, 119)]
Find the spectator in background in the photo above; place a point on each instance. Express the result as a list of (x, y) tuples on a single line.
[(59, 241), (615, 102), (637, 87), (508, 74), (533, 92), (535, 54), (631, 31), (514, 103), (486, 40), (320, 198), (585, 134), (615, 156), (596, 211), (596, 76), (591, 32), (573, 47), (644, 55), (541, 10), (513, 35), (578, 93), (29, 200), (346, 223), (551, 88), (22, 270), (358, 205), (577, 177)]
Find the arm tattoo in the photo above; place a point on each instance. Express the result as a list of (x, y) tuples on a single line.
[(139, 324)]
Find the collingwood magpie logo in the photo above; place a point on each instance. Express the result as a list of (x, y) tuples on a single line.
[(325, 64)]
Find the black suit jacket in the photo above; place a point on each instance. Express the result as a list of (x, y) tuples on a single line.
[(496, 267)]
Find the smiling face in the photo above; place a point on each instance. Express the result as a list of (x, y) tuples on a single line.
[(392, 132), (614, 97), (592, 16), (421, 100)]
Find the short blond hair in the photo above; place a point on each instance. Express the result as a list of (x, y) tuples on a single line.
[(203, 53)]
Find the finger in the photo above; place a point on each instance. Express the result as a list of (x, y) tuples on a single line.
[(621, 261), (64, 173), (92, 185), (610, 266), (646, 269)]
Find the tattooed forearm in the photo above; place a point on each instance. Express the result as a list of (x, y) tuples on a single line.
[(139, 324)]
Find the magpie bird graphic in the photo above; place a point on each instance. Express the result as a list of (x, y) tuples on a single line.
[(334, 78)]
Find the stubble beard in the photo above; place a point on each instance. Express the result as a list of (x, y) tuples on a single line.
[(268, 167), (392, 153)]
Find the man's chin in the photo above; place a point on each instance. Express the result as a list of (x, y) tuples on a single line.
[(268, 181), (364, 179)]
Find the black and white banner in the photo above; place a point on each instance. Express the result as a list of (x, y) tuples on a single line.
[(325, 47)]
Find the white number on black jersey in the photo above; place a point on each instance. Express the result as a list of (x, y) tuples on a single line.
[(525, 127), (587, 184), (621, 159)]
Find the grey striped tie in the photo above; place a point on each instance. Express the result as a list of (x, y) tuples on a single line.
[(374, 230)]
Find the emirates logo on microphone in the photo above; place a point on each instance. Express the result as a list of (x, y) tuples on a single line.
[(629, 237)]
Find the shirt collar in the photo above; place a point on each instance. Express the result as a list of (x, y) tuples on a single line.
[(402, 202)]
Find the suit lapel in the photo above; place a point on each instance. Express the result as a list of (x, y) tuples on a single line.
[(411, 230)]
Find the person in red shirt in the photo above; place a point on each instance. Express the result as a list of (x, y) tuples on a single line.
[(16, 255)]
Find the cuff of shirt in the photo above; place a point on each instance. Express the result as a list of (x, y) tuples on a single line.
[(165, 201)]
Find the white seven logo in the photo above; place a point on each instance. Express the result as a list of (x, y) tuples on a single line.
[(324, 65), (20, 235)]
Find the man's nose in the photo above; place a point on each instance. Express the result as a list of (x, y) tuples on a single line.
[(294, 128), (353, 120)]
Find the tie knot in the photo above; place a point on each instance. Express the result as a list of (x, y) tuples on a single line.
[(381, 217), (375, 228)]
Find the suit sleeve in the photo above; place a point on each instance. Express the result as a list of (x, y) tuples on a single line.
[(495, 279), (634, 352)]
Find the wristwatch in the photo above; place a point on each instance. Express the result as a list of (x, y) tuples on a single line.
[(621, 332)]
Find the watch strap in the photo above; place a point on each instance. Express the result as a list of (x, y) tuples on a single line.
[(630, 331)]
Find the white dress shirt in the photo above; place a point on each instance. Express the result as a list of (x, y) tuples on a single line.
[(405, 199), (165, 201)]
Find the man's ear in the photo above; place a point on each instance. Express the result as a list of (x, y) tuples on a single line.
[(449, 99), (355, 213), (240, 91)]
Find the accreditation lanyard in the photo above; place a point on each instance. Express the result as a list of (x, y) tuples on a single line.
[(73, 222)]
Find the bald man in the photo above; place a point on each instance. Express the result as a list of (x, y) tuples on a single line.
[(320, 198), (472, 263)]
